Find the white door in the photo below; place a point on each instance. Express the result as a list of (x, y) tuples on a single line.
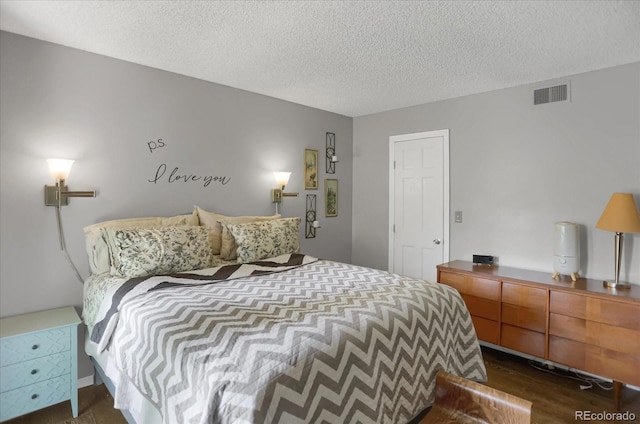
[(419, 203)]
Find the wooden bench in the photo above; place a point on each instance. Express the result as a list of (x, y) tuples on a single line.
[(459, 400)]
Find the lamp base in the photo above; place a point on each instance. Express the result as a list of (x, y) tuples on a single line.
[(619, 285)]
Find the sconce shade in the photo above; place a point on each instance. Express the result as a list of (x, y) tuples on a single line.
[(282, 178), (59, 168), (620, 215)]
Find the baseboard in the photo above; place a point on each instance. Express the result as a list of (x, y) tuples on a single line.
[(85, 381)]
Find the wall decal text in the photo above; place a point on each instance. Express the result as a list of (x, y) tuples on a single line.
[(155, 144), (175, 176)]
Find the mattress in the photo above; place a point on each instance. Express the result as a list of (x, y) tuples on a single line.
[(291, 339)]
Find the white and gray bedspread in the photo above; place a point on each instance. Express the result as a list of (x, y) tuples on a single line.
[(291, 339)]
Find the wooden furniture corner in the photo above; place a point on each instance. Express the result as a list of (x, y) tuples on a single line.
[(459, 400)]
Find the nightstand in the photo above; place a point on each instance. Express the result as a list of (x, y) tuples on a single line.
[(38, 361)]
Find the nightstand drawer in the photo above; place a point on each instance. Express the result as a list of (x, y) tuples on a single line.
[(34, 345), (36, 396), (30, 372)]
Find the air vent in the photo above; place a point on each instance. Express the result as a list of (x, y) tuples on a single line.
[(558, 93)]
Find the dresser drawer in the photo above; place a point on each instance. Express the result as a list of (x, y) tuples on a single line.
[(528, 297), (567, 352), (522, 340), (480, 307), (533, 319), (615, 365), (36, 396), (466, 284), (30, 372), (618, 314), (486, 329), (613, 338), (34, 345)]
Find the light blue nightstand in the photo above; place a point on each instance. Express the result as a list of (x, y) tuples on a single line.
[(38, 361)]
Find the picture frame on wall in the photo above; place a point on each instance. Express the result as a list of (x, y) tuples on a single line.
[(310, 169), (330, 197)]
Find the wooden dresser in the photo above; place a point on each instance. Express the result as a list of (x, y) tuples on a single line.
[(581, 324)]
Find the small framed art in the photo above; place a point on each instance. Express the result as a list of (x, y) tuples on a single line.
[(310, 169), (330, 197)]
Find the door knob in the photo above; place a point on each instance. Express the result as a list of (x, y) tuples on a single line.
[(437, 241)]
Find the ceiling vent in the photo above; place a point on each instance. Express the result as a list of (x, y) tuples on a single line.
[(558, 93)]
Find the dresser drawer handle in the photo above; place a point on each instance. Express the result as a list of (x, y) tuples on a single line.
[(34, 372), (34, 396), (34, 347)]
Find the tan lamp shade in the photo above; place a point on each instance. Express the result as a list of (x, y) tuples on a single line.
[(621, 215)]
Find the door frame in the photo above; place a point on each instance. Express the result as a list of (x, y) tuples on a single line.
[(445, 189)]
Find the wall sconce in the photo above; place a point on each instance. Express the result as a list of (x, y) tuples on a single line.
[(311, 224), (331, 157), (58, 196), (282, 179)]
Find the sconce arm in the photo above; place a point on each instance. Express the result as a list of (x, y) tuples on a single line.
[(278, 193), (51, 193), (79, 193)]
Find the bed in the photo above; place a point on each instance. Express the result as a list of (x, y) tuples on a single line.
[(287, 338)]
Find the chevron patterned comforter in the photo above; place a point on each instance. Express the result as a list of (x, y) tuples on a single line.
[(288, 340)]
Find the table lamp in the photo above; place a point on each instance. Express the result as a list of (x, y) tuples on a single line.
[(620, 216)]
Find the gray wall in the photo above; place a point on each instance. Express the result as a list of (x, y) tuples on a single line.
[(516, 169), (61, 102)]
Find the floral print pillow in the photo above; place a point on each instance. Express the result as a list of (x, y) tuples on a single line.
[(266, 239), (138, 252)]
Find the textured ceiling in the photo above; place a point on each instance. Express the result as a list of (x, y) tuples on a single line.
[(349, 57)]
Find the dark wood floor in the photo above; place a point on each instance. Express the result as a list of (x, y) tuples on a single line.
[(555, 398)]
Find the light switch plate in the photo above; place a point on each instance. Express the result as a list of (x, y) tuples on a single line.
[(458, 217)]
